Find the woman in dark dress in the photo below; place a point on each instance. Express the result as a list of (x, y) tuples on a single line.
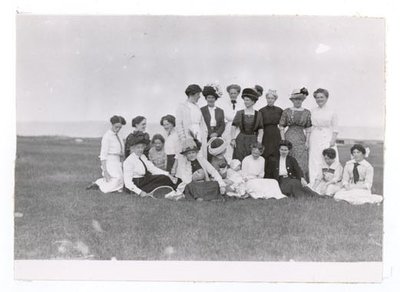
[(250, 123), (288, 173), (271, 116), (295, 126), (139, 125)]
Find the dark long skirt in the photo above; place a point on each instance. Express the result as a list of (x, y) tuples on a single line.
[(292, 187), (208, 191), (243, 142), (170, 162), (151, 181)]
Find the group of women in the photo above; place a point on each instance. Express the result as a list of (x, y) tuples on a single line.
[(199, 155)]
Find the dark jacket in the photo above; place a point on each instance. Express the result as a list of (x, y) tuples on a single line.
[(292, 167), (219, 117)]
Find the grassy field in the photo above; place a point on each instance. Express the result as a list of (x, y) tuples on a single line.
[(56, 218)]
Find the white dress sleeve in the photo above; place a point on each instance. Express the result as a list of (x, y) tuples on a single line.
[(128, 175), (105, 143)]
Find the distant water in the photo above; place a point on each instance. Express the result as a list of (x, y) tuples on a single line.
[(97, 129)]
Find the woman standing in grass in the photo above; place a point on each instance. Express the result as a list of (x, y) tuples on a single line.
[(297, 121), (358, 175), (189, 119), (288, 173), (324, 131), (172, 145), (139, 125), (230, 107), (250, 123), (271, 116), (111, 157)]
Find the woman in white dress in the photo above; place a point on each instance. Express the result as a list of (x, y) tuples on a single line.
[(189, 119), (253, 167), (358, 175), (324, 132), (111, 157), (230, 108)]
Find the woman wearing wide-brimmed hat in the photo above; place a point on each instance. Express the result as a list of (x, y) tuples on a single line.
[(249, 122), (217, 150), (190, 166), (141, 177), (296, 120)]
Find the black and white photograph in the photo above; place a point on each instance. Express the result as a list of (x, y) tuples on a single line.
[(214, 138)]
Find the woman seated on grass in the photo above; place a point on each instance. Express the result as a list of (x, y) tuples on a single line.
[(141, 177), (111, 155), (217, 150), (156, 153), (358, 176), (328, 180), (194, 170), (139, 124), (288, 173), (253, 167)]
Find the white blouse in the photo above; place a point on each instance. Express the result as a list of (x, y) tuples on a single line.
[(282, 166), (111, 144), (134, 168), (365, 171), (253, 168), (172, 145), (324, 117), (331, 172)]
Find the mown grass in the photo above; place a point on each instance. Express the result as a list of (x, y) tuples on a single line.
[(51, 176)]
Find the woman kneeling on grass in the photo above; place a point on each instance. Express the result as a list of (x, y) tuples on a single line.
[(286, 170), (140, 175), (195, 171), (111, 155), (253, 167), (358, 176)]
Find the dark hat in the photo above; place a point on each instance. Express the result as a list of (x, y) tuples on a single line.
[(137, 137), (217, 146), (234, 86), (192, 89), (209, 90), (259, 89), (250, 93), (299, 93)]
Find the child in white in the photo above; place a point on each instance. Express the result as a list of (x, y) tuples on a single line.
[(257, 186), (328, 180), (236, 186)]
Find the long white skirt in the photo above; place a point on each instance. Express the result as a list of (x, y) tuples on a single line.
[(320, 138), (324, 190), (264, 188), (114, 168), (357, 197)]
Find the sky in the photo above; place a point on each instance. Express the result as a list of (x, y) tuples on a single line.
[(88, 68)]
